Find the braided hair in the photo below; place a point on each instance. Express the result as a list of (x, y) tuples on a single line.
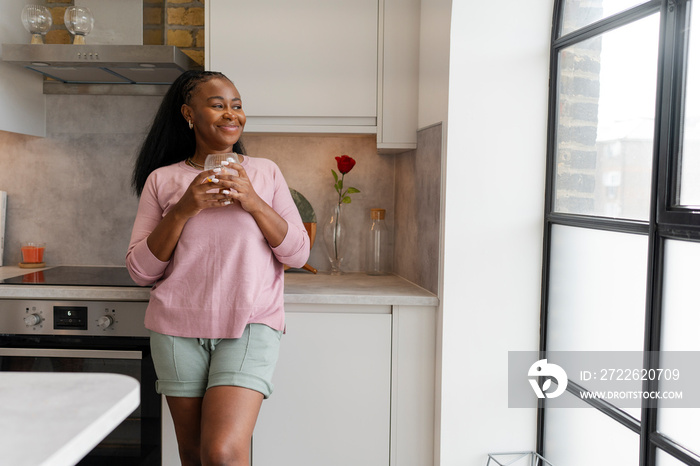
[(170, 140)]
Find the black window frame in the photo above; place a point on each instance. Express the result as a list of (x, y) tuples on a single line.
[(666, 219)]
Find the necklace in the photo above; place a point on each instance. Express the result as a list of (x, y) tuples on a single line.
[(194, 164)]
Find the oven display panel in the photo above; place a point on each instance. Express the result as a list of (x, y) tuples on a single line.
[(70, 318)]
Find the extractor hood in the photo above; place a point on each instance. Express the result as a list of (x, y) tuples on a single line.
[(101, 64)]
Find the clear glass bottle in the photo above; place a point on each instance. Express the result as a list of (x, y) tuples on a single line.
[(378, 244)]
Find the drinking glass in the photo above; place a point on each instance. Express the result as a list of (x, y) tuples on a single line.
[(214, 161)]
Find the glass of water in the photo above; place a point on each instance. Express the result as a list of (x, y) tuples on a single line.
[(214, 161)]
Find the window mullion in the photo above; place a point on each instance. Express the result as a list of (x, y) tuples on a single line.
[(660, 163)]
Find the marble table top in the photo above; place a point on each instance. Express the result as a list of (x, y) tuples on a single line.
[(55, 419)]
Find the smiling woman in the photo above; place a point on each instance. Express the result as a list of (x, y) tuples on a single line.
[(215, 112), (213, 245), (171, 139)]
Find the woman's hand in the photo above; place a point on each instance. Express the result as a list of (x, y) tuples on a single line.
[(239, 188), (202, 194)]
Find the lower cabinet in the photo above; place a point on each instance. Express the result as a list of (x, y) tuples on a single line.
[(332, 396), (354, 385)]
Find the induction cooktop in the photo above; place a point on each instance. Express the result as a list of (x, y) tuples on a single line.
[(75, 276)]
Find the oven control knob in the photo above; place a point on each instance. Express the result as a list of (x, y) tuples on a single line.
[(32, 319), (105, 322)]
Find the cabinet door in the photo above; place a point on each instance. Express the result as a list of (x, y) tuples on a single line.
[(397, 122), (23, 107), (304, 59), (331, 404)]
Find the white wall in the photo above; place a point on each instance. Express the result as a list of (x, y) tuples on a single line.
[(21, 90), (495, 166)]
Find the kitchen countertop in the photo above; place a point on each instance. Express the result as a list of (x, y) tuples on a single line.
[(57, 418), (300, 288)]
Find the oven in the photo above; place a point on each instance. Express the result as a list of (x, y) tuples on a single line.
[(86, 335)]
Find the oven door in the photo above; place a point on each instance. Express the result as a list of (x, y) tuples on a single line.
[(136, 441)]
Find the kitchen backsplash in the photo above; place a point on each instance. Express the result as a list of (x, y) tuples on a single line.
[(72, 190)]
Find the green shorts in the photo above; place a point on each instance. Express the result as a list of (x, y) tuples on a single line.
[(187, 367)]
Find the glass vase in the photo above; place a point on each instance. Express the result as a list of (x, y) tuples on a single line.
[(334, 236)]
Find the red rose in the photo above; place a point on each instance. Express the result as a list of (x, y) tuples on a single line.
[(345, 163)]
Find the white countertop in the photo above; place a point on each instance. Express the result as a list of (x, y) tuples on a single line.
[(10, 271), (57, 418), (299, 288)]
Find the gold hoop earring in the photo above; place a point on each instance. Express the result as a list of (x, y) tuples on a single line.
[(190, 123)]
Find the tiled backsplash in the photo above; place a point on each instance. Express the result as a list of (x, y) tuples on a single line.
[(72, 191)]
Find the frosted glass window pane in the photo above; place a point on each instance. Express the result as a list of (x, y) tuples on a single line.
[(680, 318), (690, 151), (605, 123), (585, 436), (680, 321), (664, 459), (682, 425), (597, 290), (579, 13)]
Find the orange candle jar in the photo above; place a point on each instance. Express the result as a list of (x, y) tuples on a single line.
[(32, 253)]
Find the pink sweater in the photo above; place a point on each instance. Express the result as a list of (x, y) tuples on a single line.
[(223, 274)]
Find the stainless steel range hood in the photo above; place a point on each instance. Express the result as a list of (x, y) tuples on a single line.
[(101, 64)]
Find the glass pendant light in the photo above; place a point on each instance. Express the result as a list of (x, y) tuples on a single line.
[(37, 20), (79, 22)]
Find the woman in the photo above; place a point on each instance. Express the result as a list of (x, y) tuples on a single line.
[(212, 244)]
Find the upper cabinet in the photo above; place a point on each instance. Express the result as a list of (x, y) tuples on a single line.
[(397, 112), (321, 66), (303, 60), (21, 91)]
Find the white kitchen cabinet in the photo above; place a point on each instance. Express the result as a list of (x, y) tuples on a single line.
[(413, 385), (301, 65), (21, 91), (397, 121), (321, 66), (332, 396), (354, 385)]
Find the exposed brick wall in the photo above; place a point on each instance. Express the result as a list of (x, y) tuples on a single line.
[(58, 34), (153, 22), (171, 22), (185, 27), (579, 85), (579, 97)]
